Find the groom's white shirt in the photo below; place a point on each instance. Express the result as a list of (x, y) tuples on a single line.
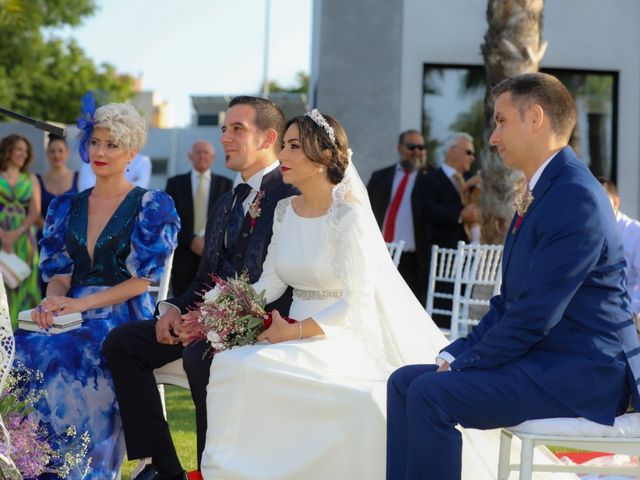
[(446, 356)]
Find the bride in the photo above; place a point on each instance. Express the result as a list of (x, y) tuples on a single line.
[(311, 403)]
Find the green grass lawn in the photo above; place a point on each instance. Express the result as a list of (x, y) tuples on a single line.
[(181, 416)]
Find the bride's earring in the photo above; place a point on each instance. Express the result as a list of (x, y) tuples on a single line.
[(321, 170)]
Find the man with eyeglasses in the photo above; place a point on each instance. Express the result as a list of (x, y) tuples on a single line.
[(445, 204), (395, 201)]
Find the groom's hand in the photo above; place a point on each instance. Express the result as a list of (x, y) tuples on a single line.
[(168, 327), (444, 367)]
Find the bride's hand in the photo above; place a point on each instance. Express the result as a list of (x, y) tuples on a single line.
[(280, 330)]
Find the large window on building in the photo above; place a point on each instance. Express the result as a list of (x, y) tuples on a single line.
[(453, 101)]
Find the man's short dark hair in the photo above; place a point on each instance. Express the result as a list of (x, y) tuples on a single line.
[(548, 92), (609, 186), (406, 132), (268, 114)]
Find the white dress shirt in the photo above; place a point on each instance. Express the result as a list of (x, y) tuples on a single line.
[(404, 218), (449, 171), (630, 235), (138, 172), (254, 182)]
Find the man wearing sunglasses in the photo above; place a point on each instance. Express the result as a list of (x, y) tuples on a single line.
[(445, 208), (395, 201)]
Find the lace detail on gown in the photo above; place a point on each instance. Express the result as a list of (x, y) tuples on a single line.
[(281, 208), (7, 348), (7, 345)]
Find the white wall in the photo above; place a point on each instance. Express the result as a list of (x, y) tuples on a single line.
[(582, 34)]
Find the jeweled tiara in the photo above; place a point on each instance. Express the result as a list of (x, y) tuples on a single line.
[(317, 117)]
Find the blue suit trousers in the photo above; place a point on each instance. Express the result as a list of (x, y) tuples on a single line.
[(424, 407)]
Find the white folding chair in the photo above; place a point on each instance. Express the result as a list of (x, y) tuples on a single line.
[(622, 438), (445, 264), (478, 278), (171, 373), (395, 250), (161, 290)]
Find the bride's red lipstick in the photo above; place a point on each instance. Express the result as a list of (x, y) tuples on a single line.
[(99, 164)]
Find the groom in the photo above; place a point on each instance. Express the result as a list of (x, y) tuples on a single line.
[(559, 340), (251, 136)]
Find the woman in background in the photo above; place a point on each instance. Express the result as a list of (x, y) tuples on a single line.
[(59, 180), (19, 211)]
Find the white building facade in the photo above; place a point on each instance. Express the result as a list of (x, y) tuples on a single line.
[(369, 61)]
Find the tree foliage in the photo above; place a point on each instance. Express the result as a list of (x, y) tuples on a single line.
[(302, 85), (512, 45), (44, 76)]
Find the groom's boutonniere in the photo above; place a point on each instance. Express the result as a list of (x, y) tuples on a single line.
[(255, 210), (522, 205)]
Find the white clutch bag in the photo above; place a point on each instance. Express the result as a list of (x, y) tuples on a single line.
[(14, 270), (61, 323)]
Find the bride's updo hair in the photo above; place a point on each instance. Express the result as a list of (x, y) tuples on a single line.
[(315, 140)]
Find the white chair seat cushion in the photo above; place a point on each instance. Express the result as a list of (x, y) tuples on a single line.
[(627, 425), (172, 373)]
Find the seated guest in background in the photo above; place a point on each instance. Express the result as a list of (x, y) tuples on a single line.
[(629, 230), (443, 201), (559, 340), (194, 193), (19, 212), (101, 249), (57, 181), (394, 194), (138, 173)]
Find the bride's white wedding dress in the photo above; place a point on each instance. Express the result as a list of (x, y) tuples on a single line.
[(316, 409)]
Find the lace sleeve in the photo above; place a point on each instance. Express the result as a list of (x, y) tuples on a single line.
[(269, 282)]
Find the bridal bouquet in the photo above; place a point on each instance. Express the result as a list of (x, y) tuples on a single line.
[(26, 443), (232, 314)]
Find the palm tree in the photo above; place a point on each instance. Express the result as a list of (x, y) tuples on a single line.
[(512, 45)]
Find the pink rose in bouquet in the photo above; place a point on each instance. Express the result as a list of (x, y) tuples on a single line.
[(234, 316)]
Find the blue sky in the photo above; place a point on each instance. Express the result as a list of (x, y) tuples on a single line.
[(198, 46)]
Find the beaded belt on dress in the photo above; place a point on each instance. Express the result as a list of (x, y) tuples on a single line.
[(316, 294)]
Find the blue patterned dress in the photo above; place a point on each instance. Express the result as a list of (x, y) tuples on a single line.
[(135, 243)]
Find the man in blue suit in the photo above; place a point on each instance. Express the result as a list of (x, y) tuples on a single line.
[(559, 340)]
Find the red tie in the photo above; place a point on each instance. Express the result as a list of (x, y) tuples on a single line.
[(390, 227)]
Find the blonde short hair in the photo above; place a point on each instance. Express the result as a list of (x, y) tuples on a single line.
[(123, 122)]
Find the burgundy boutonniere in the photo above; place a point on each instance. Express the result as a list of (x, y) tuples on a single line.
[(255, 210), (522, 205)]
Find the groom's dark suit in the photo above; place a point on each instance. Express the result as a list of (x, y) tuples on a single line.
[(133, 353), (559, 340)]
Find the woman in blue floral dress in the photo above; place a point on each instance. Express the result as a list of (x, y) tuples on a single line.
[(101, 249)]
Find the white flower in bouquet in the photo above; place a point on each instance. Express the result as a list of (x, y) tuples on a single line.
[(211, 295)]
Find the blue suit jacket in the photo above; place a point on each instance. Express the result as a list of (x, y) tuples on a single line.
[(563, 314)]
